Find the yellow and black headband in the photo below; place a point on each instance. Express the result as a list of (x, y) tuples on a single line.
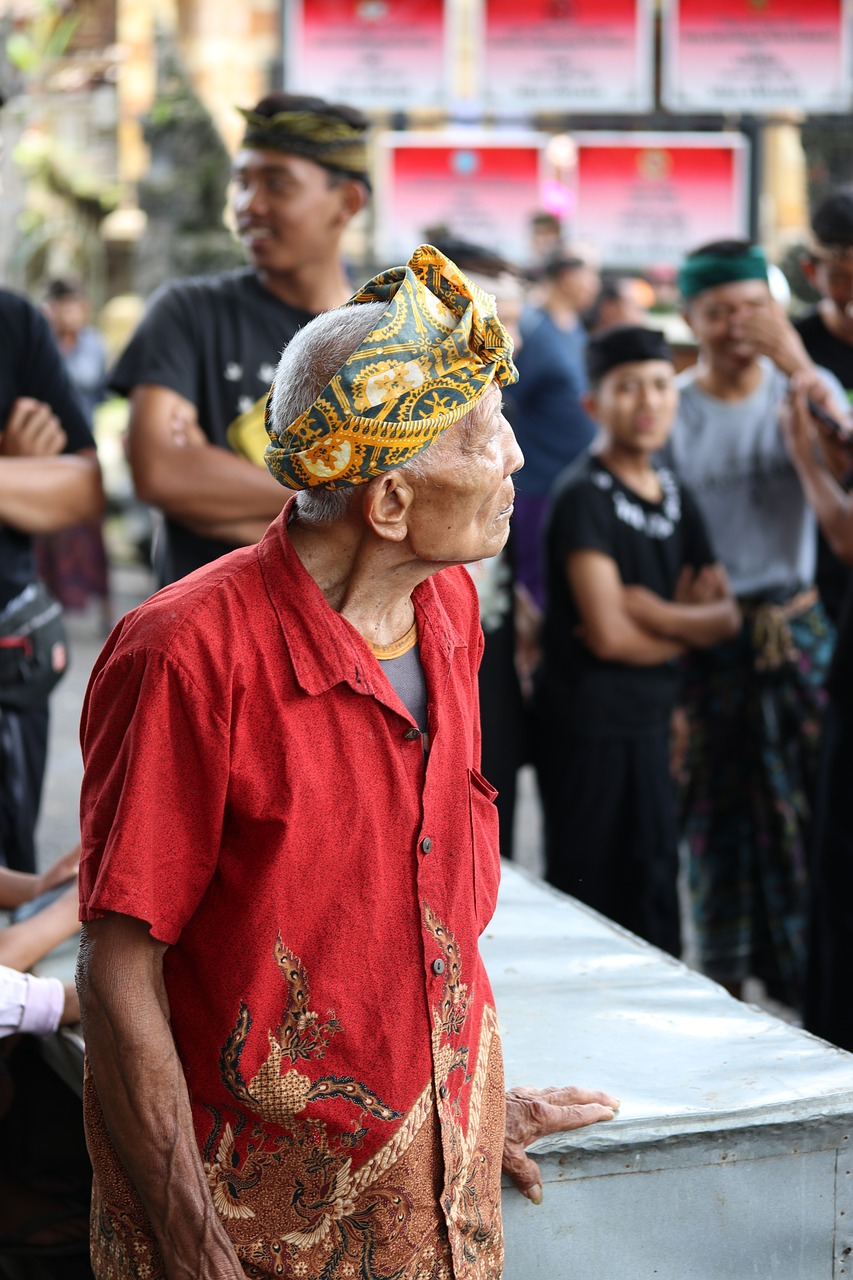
[(436, 350)]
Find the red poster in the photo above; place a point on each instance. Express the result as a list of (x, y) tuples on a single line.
[(369, 53), (480, 187), (587, 56), (758, 55), (646, 199)]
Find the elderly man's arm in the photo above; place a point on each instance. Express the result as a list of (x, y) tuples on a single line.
[(143, 1095), (534, 1113), (176, 468)]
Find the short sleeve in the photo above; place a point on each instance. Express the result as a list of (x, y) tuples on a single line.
[(581, 520), (43, 376), (163, 349), (156, 756), (698, 550)]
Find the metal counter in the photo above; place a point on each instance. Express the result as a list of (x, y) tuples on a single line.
[(730, 1154)]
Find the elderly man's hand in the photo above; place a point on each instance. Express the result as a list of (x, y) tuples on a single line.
[(533, 1113)]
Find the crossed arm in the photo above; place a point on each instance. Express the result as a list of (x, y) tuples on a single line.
[(143, 1094), (630, 624), (175, 467), (42, 489)]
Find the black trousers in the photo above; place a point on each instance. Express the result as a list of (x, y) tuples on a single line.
[(23, 755), (610, 830), (828, 1004)]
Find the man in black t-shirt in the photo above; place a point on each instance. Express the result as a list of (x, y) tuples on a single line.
[(632, 584), (199, 366), (820, 461), (49, 480), (827, 334)]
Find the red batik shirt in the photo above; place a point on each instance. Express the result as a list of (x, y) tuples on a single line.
[(256, 792)]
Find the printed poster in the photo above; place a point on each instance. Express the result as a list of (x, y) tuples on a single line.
[(586, 56), (479, 187), (646, 199), (390, 54), (757, 55)]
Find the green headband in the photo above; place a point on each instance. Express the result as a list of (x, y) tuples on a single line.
[(326, 140), (707, 270)]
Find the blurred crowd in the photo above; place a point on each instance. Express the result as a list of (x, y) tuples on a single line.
[(668, 631)]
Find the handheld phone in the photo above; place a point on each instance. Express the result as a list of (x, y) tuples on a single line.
[(832, 425)]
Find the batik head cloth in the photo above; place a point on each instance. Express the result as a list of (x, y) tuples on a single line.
[(438, 347), (317, 135), (708, 270)]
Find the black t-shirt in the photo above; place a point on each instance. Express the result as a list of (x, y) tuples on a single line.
[(651, 542), (30, 365), (834, 579), (215, 340)]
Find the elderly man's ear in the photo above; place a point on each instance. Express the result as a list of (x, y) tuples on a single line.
[(387, 504)]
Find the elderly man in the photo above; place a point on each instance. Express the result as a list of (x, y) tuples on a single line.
[(289, 852)]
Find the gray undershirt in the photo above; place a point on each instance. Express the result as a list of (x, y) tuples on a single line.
[(406, 677)]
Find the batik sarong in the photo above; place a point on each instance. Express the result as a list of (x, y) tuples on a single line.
[(754, 709)]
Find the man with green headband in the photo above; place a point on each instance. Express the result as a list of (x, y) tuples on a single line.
[(289, 852), (199, 366), (754, 704)]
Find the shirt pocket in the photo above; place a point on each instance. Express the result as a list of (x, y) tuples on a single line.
[(486, 847)]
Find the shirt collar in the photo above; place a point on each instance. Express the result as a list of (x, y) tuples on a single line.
[(324, 648)]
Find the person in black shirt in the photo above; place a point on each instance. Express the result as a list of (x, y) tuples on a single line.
[(199, 366), (632, 584), (49, 480), (824, 467), (827, 334)]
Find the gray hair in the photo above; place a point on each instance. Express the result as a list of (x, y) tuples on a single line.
[(308, 363)]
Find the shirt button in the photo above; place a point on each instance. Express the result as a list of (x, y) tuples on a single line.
[(426, 845), (442, 1090), (438, 966), (412, 735)]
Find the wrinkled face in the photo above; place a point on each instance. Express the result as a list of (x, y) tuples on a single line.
[(636, 403), (289, 211), (721, 319), (463, 505)]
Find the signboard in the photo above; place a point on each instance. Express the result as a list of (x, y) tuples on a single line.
[(481, 187), (645, 199), (757, 55), (588, 56), (389, 54)]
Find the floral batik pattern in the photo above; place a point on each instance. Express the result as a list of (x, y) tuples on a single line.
[(424, 1206)]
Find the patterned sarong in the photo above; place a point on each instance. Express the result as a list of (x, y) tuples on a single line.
[(754, 709)]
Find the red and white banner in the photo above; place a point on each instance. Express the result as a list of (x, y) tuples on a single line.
[(588, 56), (757, 55), (391, 54), (645, 199), (477, 186)]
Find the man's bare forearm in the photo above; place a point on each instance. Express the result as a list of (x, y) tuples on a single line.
[(833, 508), (22, 944), (143, 1095), (698, 626), (205, 485), (44, 495), (239, 533)]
